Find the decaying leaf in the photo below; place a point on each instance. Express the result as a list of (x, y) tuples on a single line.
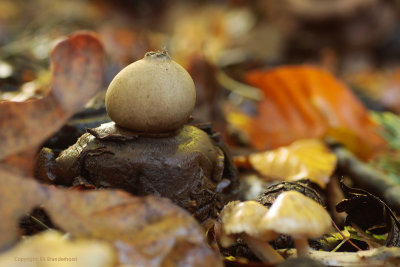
[(370, 213), (50, 249), (77, 73), (308, 158), (304, 102), (148, 231), (368, 177), (17, 198)]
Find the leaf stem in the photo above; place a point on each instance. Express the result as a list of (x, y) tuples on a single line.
[(344, 237)]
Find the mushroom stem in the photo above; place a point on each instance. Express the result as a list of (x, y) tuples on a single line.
[(302, 247), (262, 249), (223, 239)]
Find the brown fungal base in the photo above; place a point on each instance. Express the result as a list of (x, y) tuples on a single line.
[(190, 167)]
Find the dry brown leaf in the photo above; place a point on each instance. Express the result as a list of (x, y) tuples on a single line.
[(77, 74), (307, 158), (304, 102), (51, 248), (17, 198), (148, 231)]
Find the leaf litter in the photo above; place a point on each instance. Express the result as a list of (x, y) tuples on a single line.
[(148, 231)]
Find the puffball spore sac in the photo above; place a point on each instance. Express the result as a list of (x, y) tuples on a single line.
[(154, 95)]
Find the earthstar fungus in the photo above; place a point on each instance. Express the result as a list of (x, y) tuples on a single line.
[(154, 94), (149, 150)]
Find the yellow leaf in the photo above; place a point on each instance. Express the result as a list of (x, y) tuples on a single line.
[(350, 140), (306, 158)]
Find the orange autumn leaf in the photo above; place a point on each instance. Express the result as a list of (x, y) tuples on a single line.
[(307, 158), (304, 102)]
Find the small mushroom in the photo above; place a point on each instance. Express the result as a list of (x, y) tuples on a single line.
[(154, 95), (242, 219), (296, 215)]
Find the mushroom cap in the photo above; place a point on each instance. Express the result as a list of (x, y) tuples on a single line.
[(243, 217), (154, 94), (238, 217), (296, 215)]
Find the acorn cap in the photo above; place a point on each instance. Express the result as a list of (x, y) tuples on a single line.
[(296, 215)]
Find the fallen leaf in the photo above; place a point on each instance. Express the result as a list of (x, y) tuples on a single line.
[(17, 198), (307, 158), (77, 74), (51, 248), (379, 85), (368, 212), (350, 140), (304, 102), (368, 177), (147, 231)]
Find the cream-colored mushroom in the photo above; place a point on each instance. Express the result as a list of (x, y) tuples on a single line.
[(296, 215), (154, 94), (242, 219)]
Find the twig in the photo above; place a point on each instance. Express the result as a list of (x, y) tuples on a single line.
[(241, 89), (378, 257)]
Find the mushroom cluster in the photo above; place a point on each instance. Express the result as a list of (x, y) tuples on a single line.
[(149, 148), (242, 220), (291, 214)]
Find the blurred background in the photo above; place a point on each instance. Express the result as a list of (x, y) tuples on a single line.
[(217, 41)]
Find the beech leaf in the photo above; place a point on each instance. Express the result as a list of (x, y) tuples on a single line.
[(302, 102), (77, 74), (146, 231), (308, 158)]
